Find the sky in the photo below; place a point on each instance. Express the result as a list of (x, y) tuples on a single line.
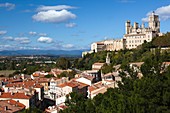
[(72, 24)]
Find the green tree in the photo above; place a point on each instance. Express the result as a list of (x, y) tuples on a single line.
[(63, 63)]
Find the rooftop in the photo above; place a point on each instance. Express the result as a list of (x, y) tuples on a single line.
[(10, 106), (14, 95)]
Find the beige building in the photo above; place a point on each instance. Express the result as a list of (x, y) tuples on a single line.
[(108, 45), (136, 35)]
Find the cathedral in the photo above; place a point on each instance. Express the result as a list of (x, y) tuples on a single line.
[(134, 36)]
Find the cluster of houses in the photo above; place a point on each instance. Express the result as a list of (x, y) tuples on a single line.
[(23, 91)]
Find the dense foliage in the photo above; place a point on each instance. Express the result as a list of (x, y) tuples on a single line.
[(70, 74), (150, 94), (32, 110), (162, 41)]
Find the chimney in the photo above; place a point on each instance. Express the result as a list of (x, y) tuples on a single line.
[(5, 108), (12, 93)]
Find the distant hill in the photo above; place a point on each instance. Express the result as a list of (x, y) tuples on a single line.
[(41, 52)]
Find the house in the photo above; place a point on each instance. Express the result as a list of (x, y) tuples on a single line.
[(86, 79), (111, 78), (55, 109), (97, 66), (29, 87), (136, 66), (53, 83), (27, 100), (68, 87), (11, 106), (38, 74), (96, 89), (93, 73), (45, 82), (29, 84)]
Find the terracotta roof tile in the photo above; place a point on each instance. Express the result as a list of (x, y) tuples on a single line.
[(14, 95), (10, 106)]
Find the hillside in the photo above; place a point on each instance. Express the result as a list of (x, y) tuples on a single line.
[(162, 41), (124, 56), (150, 94)]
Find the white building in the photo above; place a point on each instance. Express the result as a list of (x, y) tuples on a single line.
[(53, 86)]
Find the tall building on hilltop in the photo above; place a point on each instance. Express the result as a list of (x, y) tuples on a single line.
[(136, 35)]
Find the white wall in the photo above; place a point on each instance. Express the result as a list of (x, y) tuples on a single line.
[(84, 80)]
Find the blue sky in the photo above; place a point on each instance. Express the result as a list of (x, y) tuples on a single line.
[(71, 24)]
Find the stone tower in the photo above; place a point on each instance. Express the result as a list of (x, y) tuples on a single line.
[(127, 27), (107, 59), (154, 22)]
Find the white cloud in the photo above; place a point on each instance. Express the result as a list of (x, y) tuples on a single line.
[(58, 7), (10, 38), (42, 34), (6, 47), (3, 32), (163, 12), (22, 40), (145, 19), (68, 46), (71, 25), (8, 6), (54, 16), (127, 1), (45, 40), (32, 33)]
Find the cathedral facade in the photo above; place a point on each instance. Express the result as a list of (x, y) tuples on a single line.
[(136, 35)]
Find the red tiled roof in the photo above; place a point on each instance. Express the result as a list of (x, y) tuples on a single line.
[(10, 106), (36, 74), (88, 77), (26, 84), (95, 86), (13, 102), (70, 84), (80, 85), (14, 95)]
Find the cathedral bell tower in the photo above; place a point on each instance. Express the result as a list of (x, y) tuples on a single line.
[(154, 22)]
